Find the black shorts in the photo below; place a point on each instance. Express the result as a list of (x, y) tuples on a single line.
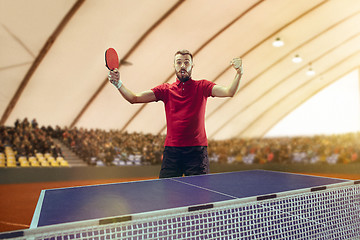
[(179, 161)]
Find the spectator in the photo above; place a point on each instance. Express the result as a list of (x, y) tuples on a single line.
[(107, 145)]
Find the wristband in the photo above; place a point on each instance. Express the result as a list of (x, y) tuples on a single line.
[(117, 84)]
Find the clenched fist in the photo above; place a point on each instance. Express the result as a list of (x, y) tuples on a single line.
[(237, 64), (114, 78)]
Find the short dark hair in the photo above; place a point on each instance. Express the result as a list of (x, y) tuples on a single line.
[(184, 52)]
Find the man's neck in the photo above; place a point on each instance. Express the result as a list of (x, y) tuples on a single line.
[(184, 80)]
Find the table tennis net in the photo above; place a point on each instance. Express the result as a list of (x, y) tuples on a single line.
[(330, 213)]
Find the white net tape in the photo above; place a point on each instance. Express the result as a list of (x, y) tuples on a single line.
[(328, 214)]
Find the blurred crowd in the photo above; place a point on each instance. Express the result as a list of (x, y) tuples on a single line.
[(114, 147), (122, 148), (342, 148), (27, 139)]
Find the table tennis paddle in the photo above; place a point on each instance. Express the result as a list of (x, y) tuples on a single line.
[(111, 59)]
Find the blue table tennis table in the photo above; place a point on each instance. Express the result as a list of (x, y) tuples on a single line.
[(65, 205), (254, 204)]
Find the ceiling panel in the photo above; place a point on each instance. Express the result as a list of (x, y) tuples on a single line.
[(69, 86), (294, 99)]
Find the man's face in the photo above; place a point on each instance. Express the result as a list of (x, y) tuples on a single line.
[(183, 67)]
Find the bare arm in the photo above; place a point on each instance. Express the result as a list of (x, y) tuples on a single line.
[(230, 90), (142, 97)]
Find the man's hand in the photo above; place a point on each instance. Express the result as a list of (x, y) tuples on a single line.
[(237, 64), (114, 78)]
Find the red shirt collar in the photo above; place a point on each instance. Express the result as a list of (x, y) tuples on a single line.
[(178, 82)]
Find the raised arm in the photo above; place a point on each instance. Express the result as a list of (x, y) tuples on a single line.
[(142, 97), (231, 89)]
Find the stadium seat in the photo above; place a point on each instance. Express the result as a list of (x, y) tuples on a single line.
[(23, 162), (100, 163), (11, 162), (44, 164), (64, 163), (9, 152), (10, 156), (39, 155), (54, 164), (34, 164)]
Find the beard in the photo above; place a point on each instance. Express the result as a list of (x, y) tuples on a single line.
[(183, 77)]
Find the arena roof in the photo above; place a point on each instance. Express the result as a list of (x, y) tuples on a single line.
[(52, 58)]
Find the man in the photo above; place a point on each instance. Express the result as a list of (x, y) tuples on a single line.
[(185, 101)]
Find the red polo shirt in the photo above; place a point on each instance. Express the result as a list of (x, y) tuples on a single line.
[(185, 105)]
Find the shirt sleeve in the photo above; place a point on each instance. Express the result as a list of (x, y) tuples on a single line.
[(160, 91), (207, 87)]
